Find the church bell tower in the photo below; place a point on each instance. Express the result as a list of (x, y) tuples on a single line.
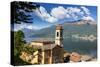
[(59, 35)]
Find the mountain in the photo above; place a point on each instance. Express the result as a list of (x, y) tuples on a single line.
[(81, 27), (28, 32), (86, 22), (81, 22)]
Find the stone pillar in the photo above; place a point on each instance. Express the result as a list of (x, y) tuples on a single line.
[(51, 57)]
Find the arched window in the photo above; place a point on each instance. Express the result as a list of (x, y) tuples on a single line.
[(57, 34), (61, 34)]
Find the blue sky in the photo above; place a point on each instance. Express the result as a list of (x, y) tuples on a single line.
[(50, 14)]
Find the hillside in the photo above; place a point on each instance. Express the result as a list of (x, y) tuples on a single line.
[(84, 29)]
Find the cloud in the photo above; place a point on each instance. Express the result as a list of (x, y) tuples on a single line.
[(74, 12), (60, 13), (70, 12), (32, 27), (88, 18), (42, 13), (25, 25), (19, 26), (74, 9), (51, 19), (86, 10)]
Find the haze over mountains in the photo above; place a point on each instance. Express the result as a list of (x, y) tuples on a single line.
[(81, 27)]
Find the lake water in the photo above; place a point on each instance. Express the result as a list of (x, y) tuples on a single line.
[(80, 46)]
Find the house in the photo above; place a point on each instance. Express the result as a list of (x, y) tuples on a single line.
[(48, 52)]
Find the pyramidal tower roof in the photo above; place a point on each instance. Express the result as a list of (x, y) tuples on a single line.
[(59, 27)]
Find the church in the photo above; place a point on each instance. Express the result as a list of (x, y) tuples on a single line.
[(48, 52)]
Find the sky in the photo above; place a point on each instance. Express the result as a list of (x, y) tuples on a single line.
[(51, 14)]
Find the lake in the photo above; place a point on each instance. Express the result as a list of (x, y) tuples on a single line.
[(81, 46)]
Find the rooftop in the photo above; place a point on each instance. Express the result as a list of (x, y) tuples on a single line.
[(43, 41), (46, 47), (59, 27)]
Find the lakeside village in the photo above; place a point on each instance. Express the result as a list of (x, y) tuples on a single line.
[(90, 38), (50, 52)]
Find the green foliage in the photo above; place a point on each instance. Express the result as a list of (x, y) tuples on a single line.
[(18, 61), (18, 42), (29, 49), (18, 45), (18, 39), (20, 11), (15, 52)]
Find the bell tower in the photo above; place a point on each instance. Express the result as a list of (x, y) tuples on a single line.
[(59, 35)]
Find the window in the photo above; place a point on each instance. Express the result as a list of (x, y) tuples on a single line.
[(61, 34), (57, 34)]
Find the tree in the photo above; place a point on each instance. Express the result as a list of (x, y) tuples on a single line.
[(29, 49), (18, 41), (18, 47), (20, 11)]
